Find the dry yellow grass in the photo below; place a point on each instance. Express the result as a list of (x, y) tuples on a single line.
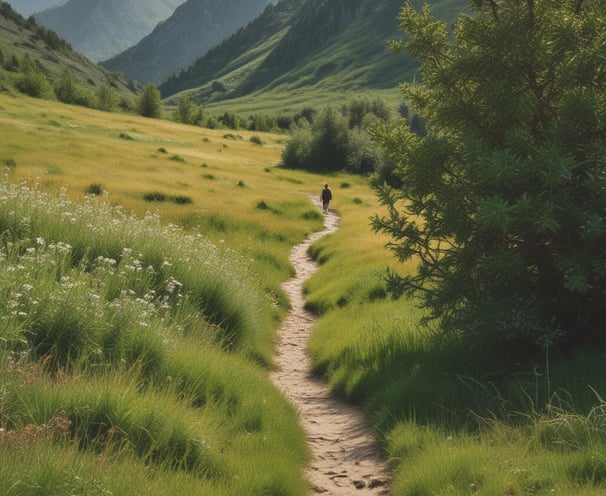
[(61, 146)]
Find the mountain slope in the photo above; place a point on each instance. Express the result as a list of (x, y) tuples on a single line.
[(29, 7), (302, 49), (101, 29), (20, 38), (194, 28), (239, 54)]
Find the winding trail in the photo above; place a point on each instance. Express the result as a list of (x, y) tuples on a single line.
[(346, 457)]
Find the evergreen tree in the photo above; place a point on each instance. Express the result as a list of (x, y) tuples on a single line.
[(185, 111), (106, 98), (149, 102), (66, 89), (503, 202)]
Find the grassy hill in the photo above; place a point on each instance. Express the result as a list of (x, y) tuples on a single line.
[(137, 359), (51, 55), (301, 54), (135, 353)]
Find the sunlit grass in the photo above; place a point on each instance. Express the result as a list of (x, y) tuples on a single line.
[(454, 420), (64, 150), (107, 321)]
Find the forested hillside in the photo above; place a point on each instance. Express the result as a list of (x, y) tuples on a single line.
[(27, 47), (241, 52), (194, 28), (334, 45)]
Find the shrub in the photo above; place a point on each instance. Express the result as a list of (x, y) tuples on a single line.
[(149, 103), (106, 98), (94, 189), (181, 199), (33, 83), (502, 201), (155, 196)]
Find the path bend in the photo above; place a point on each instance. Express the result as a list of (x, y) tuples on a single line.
[(347, 459)]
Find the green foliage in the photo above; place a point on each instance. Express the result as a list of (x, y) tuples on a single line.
[(67, 90), (106, 98), (501, 203), (30, 80), (187, 113), (337, 138), (115, 356), (330, 133), (263, 123), (149, 103), (230, 120), (155, 196)]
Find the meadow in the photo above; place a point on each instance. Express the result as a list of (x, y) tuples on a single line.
[(140, 265)]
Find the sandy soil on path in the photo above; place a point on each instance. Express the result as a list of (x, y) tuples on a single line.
[(346, 458)]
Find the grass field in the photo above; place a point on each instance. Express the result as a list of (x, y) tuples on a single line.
[(136, 328)]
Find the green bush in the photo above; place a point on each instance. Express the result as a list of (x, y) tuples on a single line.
[(33, 83), (502, 201), (106, 98), (155, 196), (181, 199), (338, 138), (149, 103)]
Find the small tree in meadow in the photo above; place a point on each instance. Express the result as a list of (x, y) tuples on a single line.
[(503, 202), (149, 103), (184, 112), (106, 98), (66, 89)]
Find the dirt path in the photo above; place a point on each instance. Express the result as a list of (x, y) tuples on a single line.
[(346, 458)]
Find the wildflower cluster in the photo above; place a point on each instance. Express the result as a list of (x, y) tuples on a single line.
[(57, 428), (80, 281)]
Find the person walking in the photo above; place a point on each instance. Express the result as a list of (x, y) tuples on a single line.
[(325, 196)]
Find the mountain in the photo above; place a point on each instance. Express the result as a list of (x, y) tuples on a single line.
[(194, 28), (21, 38), (27, 7), (239, 54), (101, 29), (297, 50)]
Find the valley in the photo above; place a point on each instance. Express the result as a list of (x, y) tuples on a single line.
[(179, 317)]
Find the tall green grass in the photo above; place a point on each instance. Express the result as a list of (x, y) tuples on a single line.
[(141, 258), (454, 416), (94, 299), (136, 343)]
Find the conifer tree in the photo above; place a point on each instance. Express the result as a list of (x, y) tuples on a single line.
[(149, 102), (503, 202)]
